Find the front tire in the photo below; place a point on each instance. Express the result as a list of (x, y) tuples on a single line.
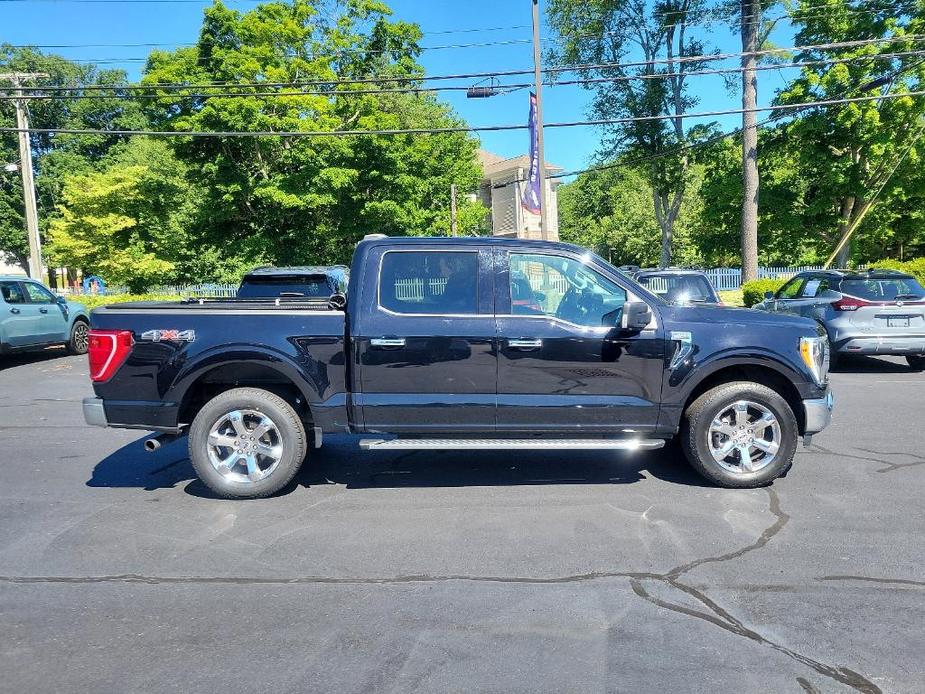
[(80, 338), (247, 443), (916, 363), (740, 435)]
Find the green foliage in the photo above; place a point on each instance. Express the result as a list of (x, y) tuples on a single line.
[(915, 267), (732, 297), (753, 292), (95, 301)]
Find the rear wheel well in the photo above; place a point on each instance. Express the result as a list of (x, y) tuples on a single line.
[(240, 375), (755, 374)]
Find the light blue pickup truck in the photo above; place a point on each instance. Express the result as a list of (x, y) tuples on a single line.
[(32, 317)]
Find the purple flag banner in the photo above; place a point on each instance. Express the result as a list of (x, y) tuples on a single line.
[(530, 199)]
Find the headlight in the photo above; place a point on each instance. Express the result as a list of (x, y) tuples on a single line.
[(815, 353)]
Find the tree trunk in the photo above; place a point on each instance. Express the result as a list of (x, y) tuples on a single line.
[(845, 215), (750, 16)]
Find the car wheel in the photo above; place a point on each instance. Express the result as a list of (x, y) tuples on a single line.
[(80, 338), (247, 443), (740, 435), (916, 363)]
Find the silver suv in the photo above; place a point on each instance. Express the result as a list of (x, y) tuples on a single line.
[(863, 312)]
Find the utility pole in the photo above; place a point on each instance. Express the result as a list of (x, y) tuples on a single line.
[(750, 19), (25, 168), (453, 209), (538, 87)]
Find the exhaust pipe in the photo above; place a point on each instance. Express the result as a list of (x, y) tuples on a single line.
[(155, 442)]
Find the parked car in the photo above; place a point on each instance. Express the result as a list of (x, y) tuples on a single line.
[(32, 317), (432, 352), (678, 285), (866, 312), (268, 282)]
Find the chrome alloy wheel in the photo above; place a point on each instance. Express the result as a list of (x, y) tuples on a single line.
[(245, 446), (744, 437), (81, 336)]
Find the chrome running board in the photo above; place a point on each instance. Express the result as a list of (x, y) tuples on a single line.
[(500, 444)]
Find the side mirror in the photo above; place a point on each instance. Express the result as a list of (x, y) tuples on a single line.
[(61, 300), (636, 316), (769, 295)]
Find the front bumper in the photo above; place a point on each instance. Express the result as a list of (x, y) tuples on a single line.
[(94, 413), (818, 413)]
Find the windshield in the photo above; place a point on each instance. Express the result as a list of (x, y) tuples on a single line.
[(680, 289), (285, 285), (884, 289)]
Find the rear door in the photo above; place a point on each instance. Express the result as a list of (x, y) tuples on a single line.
[(426, 344), (563, 366), (52, 320), (21, 320)]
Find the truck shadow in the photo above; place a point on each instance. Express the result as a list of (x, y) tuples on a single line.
[(340, 461)]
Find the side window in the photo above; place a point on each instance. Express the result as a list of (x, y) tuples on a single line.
[(429, 282), (12, 293), (791, 290), (564, 288), (38, 294)]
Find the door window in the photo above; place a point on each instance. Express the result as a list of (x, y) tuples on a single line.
[(814, 287), (12, 293), (563, 288), (791, 290), (429, 282), (38, 294)]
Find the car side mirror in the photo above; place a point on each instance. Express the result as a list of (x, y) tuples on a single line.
[(769, 295), (61, 300), (636, 316)]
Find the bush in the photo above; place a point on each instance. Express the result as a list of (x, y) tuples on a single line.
[(916, 267), (731, 297), (95, 301), (753, 292)]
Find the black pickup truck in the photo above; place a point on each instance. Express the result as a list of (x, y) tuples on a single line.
[(461, 344)]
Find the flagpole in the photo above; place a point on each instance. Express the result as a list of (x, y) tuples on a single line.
[(538, 79)]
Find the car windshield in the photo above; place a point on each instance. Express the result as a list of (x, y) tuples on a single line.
[(679, 289), (883, 288), (285, 285)]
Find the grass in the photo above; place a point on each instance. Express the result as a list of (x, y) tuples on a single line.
[(732, 297), (92, 302)]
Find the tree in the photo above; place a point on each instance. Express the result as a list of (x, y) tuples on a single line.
[(310, 199), (602, 33), (849, 153), (127, 222)]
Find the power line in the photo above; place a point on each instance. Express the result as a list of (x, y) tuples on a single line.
[(461, 129), (57, 95)]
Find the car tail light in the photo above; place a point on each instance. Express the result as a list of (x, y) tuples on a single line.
[(107, 351), (850, 303)]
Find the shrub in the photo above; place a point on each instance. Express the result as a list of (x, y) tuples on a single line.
[(753, 292), (916, 267)]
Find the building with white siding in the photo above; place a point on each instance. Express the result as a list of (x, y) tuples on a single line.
[(501, 188)]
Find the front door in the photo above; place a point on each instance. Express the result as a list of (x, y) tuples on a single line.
[(21, 321), (426, 342), (52, 320), (564, 366)]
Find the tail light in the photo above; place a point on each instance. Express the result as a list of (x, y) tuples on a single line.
[(849, 303), (107, 351)]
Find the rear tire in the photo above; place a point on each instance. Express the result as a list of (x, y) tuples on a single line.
[(916, 363), (247, 443), (742, 417), (80, 337)]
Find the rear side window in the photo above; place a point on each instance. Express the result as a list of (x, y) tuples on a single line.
[(814, 287), (11, 292), (429, 282), (883, 289)]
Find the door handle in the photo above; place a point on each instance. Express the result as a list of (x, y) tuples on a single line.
[(525, 344), (43, 310), (387, 342), (14, 310)]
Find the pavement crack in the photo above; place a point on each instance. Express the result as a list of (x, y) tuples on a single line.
[(918, 459), (875, 579)]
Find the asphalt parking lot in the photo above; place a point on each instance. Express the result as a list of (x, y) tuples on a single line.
[(416, 572)]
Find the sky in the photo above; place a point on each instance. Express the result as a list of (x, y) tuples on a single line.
[(38, 22)]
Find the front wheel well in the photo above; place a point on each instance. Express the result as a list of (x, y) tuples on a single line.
[(239, 375), (753, 373)]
